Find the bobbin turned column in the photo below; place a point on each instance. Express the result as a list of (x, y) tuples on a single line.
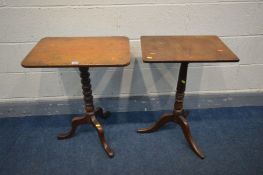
[(89, 117), (181, 84)]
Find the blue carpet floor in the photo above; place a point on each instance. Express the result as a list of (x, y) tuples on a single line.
[(231, 138)]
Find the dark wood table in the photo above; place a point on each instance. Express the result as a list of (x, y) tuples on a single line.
[(184, 50), (81, 52)]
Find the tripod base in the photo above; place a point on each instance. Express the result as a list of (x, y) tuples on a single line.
[(90, 119), (182, 121)]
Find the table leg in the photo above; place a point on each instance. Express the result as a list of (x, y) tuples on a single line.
[(90, 116), (179, 114)]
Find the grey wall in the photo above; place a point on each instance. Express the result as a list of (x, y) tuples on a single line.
[(24, 22)]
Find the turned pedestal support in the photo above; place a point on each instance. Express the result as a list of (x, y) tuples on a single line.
[(91, 113), (179, 115)]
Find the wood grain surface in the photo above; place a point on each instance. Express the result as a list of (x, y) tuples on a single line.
[(79, 52), (185, 49)]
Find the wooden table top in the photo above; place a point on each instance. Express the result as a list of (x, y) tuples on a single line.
[(79, 52), (185, 49)]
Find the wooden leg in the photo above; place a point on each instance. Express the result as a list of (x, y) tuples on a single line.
[(185, 114), (162, 121), (101, 113), (76, 121), (187, 133), (100, 131)]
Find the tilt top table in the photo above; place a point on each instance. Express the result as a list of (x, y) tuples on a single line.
[(184, 50), (81, 52)]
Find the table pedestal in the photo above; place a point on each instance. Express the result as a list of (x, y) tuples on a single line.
[(91, 113), (179, 115)]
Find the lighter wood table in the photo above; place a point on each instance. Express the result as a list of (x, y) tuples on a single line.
[(81, 52), (184, 50)]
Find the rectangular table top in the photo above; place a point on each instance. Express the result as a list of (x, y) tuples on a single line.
[(79, 52), (185, 49)]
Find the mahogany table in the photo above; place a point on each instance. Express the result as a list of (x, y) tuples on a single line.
[(184, 50), (81, 52)]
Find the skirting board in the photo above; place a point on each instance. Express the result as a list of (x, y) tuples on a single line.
[(133, 103)]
